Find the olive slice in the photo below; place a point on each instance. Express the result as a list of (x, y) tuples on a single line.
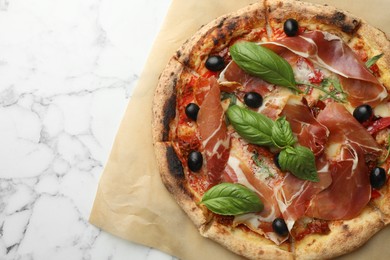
[(291, 27), (195, 161), (363, 113), (279, 226), (253, 99), (215, 63), (377, 177), (192, 110)]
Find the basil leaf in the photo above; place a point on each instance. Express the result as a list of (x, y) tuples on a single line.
[(373, 60), (231, 199), (231, 96), (282, 134), (264, 63), (253, 127), (300, 161)]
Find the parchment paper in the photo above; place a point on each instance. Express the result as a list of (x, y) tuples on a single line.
[(131, 201)]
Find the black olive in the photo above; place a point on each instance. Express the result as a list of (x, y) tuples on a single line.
[(192, 110), (215, 63), (195, 161), (279, 226), (291, 27), (362, 113), (276, 160), (253, 99), (378, 177)]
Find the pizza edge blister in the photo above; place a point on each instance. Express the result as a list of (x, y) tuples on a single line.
[(249, 24)]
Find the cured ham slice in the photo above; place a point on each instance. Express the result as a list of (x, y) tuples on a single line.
[(362, 92), (350, 189), (233, 73), (213, 133), (241, 171), (344, 128), (295, 194), (309, 131), (330, 52)]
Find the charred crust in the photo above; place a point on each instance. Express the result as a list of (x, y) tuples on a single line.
[(340, 20), (178, 54), (232, 25), (170, 112), (221, 22), (174, 164)]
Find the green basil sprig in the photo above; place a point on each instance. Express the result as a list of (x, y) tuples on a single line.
[(373, 60), (300, 161), (258, 129), (264, 63), (282, 134), (254, 127), (231, 199)]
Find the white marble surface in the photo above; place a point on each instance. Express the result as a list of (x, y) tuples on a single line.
[(67, 71)]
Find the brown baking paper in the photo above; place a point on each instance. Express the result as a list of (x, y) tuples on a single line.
[(131, 202)]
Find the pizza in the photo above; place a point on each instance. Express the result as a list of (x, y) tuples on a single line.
[(271, 130)]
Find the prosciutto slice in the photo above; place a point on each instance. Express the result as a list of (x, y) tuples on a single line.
[(344, 128), (213, 133), (233, 73), (330, 52), (309, 131), (295, 194), (350, 189)]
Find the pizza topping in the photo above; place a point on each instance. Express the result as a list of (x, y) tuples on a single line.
[(291, 27), (348, 148), (379, 125), (279, 226), (264, 63), (213, 133), (253, 99), (349, 191), (369, 63), (231, 199), (233, 78), (261, 130), (305, 126), (363, 113), (253, 127), (276, 160), (344, 128), (307, 226), (282, 135), (300, 161), (192, 110), (215, 63), (293, 194), (195, 161), (332, 89), (330, 52), (363, 92), (377, 177)]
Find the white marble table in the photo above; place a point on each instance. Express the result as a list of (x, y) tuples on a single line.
[(67, 71)]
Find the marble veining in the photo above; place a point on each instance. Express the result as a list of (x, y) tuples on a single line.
[(67, 71)]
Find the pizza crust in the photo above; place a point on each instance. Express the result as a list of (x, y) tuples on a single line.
[(216, 35), (312, 16), (245, 242), (172, 175), (376, 42), (164, 102), (344, 237)]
